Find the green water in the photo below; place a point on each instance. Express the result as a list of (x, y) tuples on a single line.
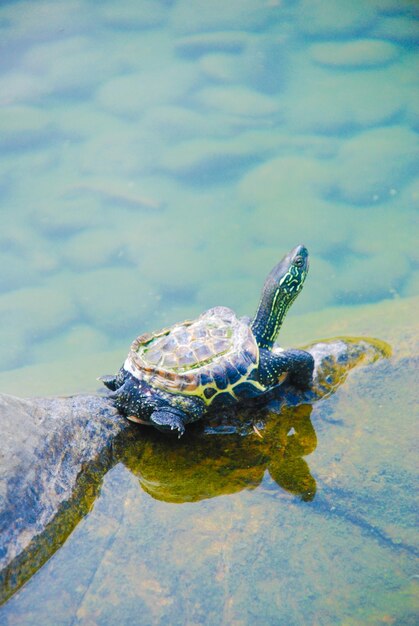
[(158, 158)]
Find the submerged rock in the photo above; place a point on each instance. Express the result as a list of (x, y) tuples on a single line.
[(55, 451), (363, 53)]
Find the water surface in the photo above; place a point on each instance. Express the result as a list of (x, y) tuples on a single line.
[(158, 158)]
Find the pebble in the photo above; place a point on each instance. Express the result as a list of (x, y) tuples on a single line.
[(93, 248), (320, 289), (129, 96), (13, 348), (117, 153), (286, 222), (278, 180), (373, 163), (77, 341), (317, 18), (116, 300), (340, 103), (218, 15), (411, 287), (219, 67), (239, 101), (16, 272), (211, 160), (175, 123), (68, 67), (397, 7), (360, 53), (82, 120), (176, 269), (76, 213), (372, 278), (42, 21), (196, 45), (18, 88), (239, 293), (134, 16), (38, 312), (24, 128), (398, 28)]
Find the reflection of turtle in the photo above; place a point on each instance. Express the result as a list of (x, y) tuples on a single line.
[(173, 376)]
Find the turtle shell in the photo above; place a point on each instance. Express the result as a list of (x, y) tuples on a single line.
[(205, 357)]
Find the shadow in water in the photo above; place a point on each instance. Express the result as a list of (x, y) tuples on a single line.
[(274, 436), (200, 467)]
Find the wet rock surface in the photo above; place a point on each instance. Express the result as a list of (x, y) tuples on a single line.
[(55, 451), (46, 447)]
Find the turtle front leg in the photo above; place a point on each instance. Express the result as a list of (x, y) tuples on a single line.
[(299, 364), (169, 418)]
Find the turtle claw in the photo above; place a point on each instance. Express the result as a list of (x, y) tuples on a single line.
[(168, 418)]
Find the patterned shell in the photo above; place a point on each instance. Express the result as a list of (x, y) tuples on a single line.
[(204, 357)]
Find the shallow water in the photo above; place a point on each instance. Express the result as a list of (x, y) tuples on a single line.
[(158, 159)]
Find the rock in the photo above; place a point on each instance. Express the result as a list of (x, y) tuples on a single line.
[(360, 53), (55, 452), (370, 165), (46, 445)]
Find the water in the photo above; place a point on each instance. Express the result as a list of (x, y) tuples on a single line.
[(158, 159)]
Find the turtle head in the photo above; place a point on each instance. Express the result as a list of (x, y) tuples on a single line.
[(288, 276), (281, 287)]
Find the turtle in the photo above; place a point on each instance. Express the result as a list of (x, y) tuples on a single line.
[(177, 375)]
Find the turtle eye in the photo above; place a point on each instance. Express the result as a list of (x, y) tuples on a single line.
[(299, 261)]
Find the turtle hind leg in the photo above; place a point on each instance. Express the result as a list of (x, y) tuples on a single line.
[(169, 419), (298, 364)]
